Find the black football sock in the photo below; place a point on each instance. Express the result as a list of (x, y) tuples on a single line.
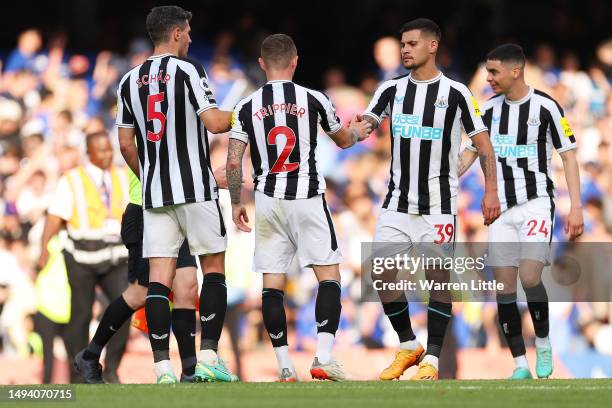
[(399, 316), (510, 321), (213, 304), (438, 317), (328, 307), (157, 310), (275, 320), (537, 301), (115, 315), (184, 327)]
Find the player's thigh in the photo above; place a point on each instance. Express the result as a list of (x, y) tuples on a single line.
[(433, 236), (391, 235), (274, 245), (503, 241), (312, 229), (535, 231), (162, 235), (204, 227)]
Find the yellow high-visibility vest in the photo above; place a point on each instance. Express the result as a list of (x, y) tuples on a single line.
[(92, 221), (52, 287)]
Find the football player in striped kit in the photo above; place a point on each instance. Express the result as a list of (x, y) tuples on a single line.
[(427, 112), (280, 123), (526, 125)]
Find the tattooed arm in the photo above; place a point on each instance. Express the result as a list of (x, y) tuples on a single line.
[(235, 151), (490, 202)]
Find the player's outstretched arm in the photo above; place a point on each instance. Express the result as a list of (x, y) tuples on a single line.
[(216, 121), (233, 170), (356, 132), (129, 151), (490, 203), (574, 225), (466, 158)]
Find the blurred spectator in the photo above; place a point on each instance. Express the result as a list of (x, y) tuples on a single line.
[(388, 59)]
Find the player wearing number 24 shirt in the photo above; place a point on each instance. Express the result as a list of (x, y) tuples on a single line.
[(427, 112), (280, 123), (526, 125)]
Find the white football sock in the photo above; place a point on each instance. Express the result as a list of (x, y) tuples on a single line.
[(325, 344), (163, 367), (208, 356), (410, 345), (521, 361), (432, 360), (542, 342), (283, 358)]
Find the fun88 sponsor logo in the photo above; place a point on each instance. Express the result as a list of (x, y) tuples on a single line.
[(409, 127), (505, 146)]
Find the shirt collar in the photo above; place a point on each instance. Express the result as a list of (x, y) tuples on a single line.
[(522, 100), (427, 81), (278, 81), (152, 57), (94, 172)]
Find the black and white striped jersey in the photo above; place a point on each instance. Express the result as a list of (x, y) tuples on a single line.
[(426, 118), (280, 123), (523, 134), (161, 99)]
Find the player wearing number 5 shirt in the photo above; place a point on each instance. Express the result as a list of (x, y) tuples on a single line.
[(166, 105), (280, 124)]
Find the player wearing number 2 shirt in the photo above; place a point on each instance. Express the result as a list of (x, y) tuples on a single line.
[(526, 125), (280, 123), (165, 104)]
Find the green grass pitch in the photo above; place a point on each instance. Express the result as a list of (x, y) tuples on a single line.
[(405, 394)]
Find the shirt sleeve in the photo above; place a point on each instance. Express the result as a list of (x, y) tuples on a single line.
[(62, 202), (471, 119), (381, 101), (124, 110), (560, 131), (203, 98), (238, 131), (486, 118), (328, 119)]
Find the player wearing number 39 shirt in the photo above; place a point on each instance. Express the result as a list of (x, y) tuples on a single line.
[(525, 126), (165, 110), (427, 112), (280, 123)]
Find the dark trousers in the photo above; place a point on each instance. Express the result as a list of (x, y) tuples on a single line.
[(47, 330), (83, 280)]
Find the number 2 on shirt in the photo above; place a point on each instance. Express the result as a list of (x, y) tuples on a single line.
[(281, 165), (152, 115)]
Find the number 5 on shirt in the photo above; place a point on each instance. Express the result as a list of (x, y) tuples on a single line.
[(281, 165), (152, 115)]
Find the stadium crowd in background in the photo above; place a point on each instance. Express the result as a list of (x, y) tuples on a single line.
[(50, 99)]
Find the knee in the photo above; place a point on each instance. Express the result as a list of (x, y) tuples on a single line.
[(135, 296)]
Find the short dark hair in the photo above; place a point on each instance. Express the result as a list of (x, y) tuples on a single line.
[(425, 25), (163, 19), (277, 50), (508, 53)]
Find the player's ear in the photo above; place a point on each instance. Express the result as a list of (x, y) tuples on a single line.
[(433, 46), (294, 62), (176, 33), (262, 64)]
